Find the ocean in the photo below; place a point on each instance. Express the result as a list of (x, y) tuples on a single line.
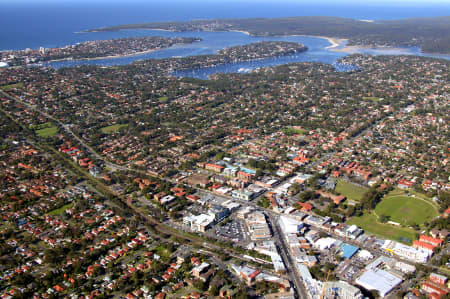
[(51, 23)]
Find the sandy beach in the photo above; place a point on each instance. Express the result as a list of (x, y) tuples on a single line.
[(335, 42), (241, 31)]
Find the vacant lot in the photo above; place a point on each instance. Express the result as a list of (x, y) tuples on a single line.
[(113, 128), (349, 190)]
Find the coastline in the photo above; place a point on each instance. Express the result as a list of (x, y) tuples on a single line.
[(110, 56), (241, 31), (335, 42), (359, 49), (103, 57)]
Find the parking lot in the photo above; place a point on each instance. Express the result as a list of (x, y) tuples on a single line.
[(233, 230)]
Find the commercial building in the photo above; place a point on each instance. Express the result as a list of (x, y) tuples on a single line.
[(278, 263), (267, 182), (242, 195), (302, 257), (377, 279), (199, 223), (431, 240), (404, 268), (341, 290), (257, 226), (248, 274), (351, 232), (218, 212), (435, 288), (348, 251), (417, 255), (317, 220), (290, 225), (256, 190), (325, 243), (364, 255), (437, 278), (214, 167), (231, 205), (200, 269)]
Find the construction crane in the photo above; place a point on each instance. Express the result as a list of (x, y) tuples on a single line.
[(324, 284)]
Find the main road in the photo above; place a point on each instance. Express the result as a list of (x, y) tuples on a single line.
[(289, 261)]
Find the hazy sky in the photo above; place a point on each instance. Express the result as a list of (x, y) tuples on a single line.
[(336, 2)]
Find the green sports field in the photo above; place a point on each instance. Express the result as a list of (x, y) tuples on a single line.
[(400, 208), (349, 190), (45, 130), (369, 223), (293, 131), (406, 210), (60, 210), (113, 128)]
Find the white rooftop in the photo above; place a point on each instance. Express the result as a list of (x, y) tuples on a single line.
[(325, 243), (289, 225), (379, 280), (365, 255)]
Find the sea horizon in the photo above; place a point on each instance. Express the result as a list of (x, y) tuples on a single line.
[(48, 24)]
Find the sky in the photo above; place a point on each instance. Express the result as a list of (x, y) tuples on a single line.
[(366, 2)]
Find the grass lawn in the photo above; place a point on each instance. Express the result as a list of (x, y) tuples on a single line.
[(60, 210), (406, 210), (183, 292), (113, 128), (370, 224), (45, 130), (163, 99), (292, 131), (349, 190), (12, 86), (373, 99), (162, 251)]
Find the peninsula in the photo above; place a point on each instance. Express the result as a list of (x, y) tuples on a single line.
[(431, 34), (253, 51), (94, 49)]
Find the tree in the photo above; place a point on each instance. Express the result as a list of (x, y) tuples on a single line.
[(243, 292), (213, 290), (384, 218), (200, 285), (306, 196), (350, 211)]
